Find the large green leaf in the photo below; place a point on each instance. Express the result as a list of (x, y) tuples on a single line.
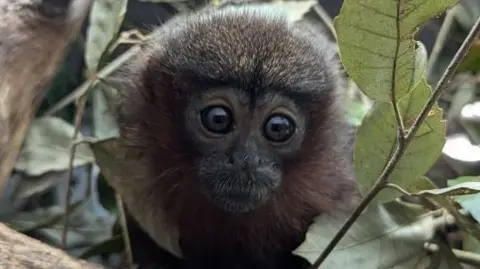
[(376, 44), (384, 236), (377, 139), (106, 17), (47, 147), (445, 197)]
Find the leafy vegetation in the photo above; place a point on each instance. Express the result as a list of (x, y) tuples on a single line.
[(390, 85)]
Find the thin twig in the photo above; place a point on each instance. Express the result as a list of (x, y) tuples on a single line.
[(397, 188), (78, 119), (380, 182), (103, 73), (123, 224)]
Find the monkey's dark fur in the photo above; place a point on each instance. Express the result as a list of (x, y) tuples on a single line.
[(237, 200)]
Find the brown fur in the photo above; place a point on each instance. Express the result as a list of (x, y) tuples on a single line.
[(228, 44)]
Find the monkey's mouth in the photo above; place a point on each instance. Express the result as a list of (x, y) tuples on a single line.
[(241, 199), (239, 192)]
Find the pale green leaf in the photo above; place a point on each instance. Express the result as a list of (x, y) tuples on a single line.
[(471, 244), (106, 17), (377, 138), (420, 184), (104, 122), (465, 188), (464, 222), (376, 42), (470, 202), (384, 236), (47, 148)]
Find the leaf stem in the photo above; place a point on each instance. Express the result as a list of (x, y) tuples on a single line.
[(78, 119), (397, 188), (125, 234), (380, 182), (103, 73), (393, 94)]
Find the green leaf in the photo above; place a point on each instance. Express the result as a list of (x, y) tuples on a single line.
[(47, 148), (420, 184), (384, 236), (356, 111), (376, 141), (464, 188), (30, 222), (471, 62), (445, 198), (106, 16), (469, 202), (29, 186), (446, 257), (104, 123), (471, 244), (376, 44)]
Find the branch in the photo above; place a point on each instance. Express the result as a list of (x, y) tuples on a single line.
[(20, 251), (35, 35), (382, 179)]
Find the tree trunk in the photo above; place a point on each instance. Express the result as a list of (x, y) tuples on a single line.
[(34, 36)]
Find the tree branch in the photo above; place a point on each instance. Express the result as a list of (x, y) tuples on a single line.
[(382, 179)]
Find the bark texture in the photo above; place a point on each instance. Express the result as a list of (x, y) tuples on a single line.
[(18, 251), (34, 36)]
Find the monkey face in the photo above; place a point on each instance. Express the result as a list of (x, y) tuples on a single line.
[(232, 108), (243, 139)]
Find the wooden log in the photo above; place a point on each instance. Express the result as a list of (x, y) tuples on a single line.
[(34, 36), (18, 251)]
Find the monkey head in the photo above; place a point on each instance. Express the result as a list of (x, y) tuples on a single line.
[(237, 115)]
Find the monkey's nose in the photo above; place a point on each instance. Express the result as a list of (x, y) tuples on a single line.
[(243, 159)]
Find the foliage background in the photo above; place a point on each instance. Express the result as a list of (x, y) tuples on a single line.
[(34, 199)]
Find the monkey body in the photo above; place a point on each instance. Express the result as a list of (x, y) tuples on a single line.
[(236, 117)]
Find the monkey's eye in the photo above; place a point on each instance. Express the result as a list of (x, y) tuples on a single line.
[(279, 128), (217, 119)]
